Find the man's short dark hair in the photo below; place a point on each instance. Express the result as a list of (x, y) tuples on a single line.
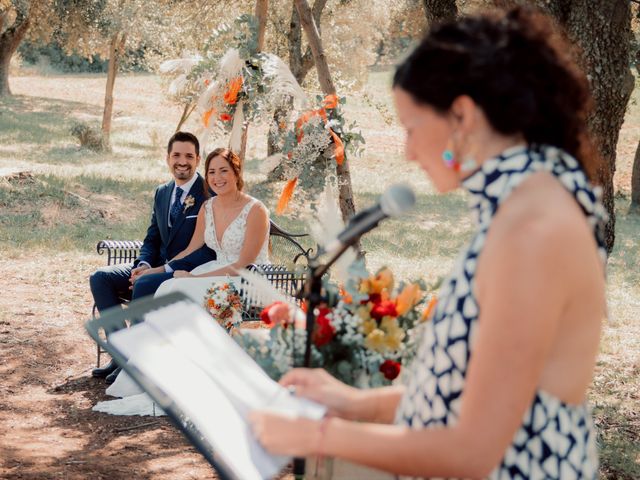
[(184, 137)]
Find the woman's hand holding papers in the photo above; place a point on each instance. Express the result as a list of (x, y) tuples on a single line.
[(316, 384), (290, 436)]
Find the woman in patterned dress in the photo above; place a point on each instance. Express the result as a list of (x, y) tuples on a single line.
[(494, 105)]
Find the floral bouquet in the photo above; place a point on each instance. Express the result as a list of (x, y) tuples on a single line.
[(224, 303), (364, 339)]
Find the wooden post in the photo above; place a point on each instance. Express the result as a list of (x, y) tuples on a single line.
[(116, 46), (347, 205), (261, 15)]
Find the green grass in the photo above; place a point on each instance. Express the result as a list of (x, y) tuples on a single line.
[(50, 212), (76, 198)]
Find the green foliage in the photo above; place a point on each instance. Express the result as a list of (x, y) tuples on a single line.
[(33, 53)]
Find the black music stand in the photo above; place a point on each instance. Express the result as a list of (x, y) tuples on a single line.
[(113, 320)]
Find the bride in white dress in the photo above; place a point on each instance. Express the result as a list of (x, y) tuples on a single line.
[(233, 224)]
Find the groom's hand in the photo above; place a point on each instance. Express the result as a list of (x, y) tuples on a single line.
[(136, 273)]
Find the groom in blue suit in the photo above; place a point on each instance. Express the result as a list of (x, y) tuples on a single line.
[(175, 210)]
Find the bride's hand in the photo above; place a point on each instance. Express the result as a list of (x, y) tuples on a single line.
[(181, 274), (319, 386)]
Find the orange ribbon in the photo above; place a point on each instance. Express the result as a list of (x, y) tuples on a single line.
[(206, 116), (285, 196)]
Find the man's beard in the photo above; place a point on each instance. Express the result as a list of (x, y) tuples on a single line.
[(182, 174)]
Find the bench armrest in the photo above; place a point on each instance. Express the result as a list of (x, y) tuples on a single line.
[(119, 251)]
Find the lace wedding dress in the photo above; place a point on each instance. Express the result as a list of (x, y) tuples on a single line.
[(227, 252), (134, 401)]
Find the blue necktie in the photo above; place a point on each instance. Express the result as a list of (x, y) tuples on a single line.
[(176, 207)]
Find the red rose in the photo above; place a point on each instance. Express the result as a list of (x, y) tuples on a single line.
[(373, 298), (383, 308), (390, 369), (323, 331), (264, 315)]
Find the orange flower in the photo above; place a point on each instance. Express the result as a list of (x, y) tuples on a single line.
[(383, 280), (426, 314), (409, 296), (331, 101), (231, 95), (225, 117), (346, 298)]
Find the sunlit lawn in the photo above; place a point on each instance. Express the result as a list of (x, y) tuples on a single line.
[(77, 197)]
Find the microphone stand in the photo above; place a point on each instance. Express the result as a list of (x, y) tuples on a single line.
[(312, 295)]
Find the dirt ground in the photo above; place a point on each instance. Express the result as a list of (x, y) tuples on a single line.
[(46, 390)]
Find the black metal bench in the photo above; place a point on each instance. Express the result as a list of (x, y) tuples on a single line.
[(286, 273)]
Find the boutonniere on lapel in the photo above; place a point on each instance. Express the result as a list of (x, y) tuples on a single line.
[(188, 203)]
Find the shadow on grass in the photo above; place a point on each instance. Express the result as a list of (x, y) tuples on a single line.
[(72, 213), (619, 444), (41, 128), (38, 120), (626, 251)]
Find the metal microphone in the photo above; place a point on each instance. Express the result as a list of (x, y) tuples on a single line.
[(395, 201)]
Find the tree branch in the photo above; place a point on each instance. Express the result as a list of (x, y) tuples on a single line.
[(306, 62)]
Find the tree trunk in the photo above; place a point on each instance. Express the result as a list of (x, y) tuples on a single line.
[(347, 206), (602, 29), (299, 65), (261, 14), (440, 10), (9, 41), (635, 182), (116, 47)]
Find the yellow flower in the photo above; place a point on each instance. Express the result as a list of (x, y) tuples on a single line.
[(368, 326), (375, 340), (393, 342), (393, 333), (364, 313), (410, 295), (383, 280)]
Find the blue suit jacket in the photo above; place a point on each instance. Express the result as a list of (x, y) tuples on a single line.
[(163, 243)]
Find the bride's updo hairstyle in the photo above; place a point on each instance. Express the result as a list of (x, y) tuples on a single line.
[(232, 159), (517, 67)]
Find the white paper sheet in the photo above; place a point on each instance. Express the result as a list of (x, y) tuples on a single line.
[(216, 383)]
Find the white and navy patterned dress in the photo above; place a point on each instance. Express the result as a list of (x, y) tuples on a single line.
[(555, 440)]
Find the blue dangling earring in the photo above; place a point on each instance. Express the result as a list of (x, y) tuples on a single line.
[(447, 155)]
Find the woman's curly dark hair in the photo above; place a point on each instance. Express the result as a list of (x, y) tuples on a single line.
[(517, 67)]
